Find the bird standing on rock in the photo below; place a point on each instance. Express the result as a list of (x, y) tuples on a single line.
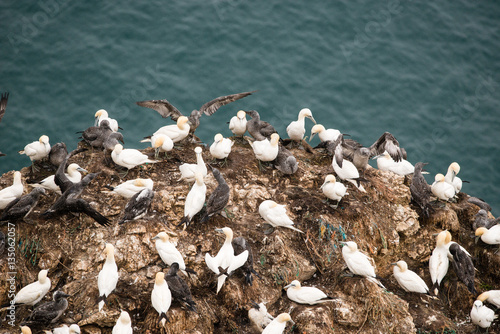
[(188, 171), (178, 287), (296, 129), (49, 312), (9, 194), (138, 206), (333, 190), (218, 198), (101, 115), (123, 324), (129, 158), (108, 276), (221, 147), (195, 200), (238, 123), (306, 295), (21, 207), (168, 253), (161, 298), (275, 214), (33, 292), (277, 326), (408, 279), (358, 263)]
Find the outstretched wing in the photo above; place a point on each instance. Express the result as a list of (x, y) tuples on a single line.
[(387, 142), (3, 104), (163, 107), (211, 107)]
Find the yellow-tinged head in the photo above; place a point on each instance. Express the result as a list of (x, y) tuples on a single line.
[(284, 317), (124, 318), (293, 285), (109, 250), (455, 167), (139, 182), (480, 231), (442, 237), (118, 148), (17, 177), (275, 139), (44, 139), (42, 275), (160, 278), (25, 330), (241, 114), (218, 138), (439, 177), (101, 113), (402, 265), (272, 204), (162, 236), (181, 121), (159, 141), (228, 232), (482, 297), (317, 128)]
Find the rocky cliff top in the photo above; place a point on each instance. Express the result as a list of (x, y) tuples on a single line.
[(382, 222)]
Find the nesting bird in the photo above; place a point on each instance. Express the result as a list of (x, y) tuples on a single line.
[(359, 263), (168, 253), (166, 109), (195, 200), (240, 245), (345, 169), (73, 174), (275, 214), (238, 123), (73, 329), (8, 194), (386, 163), (481, 219), (21, 207), (138, 206), (442, 190), (37, 150), (176, 132), (296, 129), (130, 188), (452, 178), (25, 330), (123, 324), (408, 279), (161, 298), (259, 129), (178, 287), (225, 262), (102, 115), (33, 292), (491, 296), (482, 315), (265, 149), (491, 236), (49, 312), (306, 295), (277, 326), (439, 262), (129, 158), (95, 136), (57, 154), (221, 147), (420, 190), (324, 134), (161, 143), (188, 170), (332, 189), (463, 266), (108, 276), (259, 316), (218, 198), (285, 162)]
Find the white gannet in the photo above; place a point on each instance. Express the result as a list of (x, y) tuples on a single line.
[(386, 163), (168, 253), (129, 188), (49, 312), (265, 150), (108, 276), (275, 214), (491, 296), (347, 172), (439, 262), (188, 170), (452, 178), (359, 263), (12, 192), (102, 115), (176, 132), (491, 236), (73, 174), (129, 157), (332, 189), (259, 316), (408, 279), (34, 292), (221, 147), (37, 150), (123, 324), (277, 326), (296, 129), (179, 288), (225, 262), (441, 189), (324, 134), (161, 143), (306, 294), (195, 200), (482, 315), (238, 123), (166, 109), (161, 298)]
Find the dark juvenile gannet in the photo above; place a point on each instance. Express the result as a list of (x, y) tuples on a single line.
[(480, 203), (277, 326), (48, 312), (296, 129), (110, 141), (123, 324), (463, 266), (218, 198), (96, 135), (258, 129), (101, 115), (285, 162), (359, 263), (482, 315), (195, 200), (407, 279), (481, 220), (20, 208), (33, 292), (9, 194), (179, 288), (166, 109), (238, 123), (138, 206), (3, 104), (259, 316), (421, 190), (108, 276), (225, 262), (306, 295), (73, 174), (57, 154), (161, 298), (240, 245), (2, 242)]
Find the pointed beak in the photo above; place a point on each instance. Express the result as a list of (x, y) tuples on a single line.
[(312, 119), (312, 135), (82, 170), (155, 237), (96, 121), (286, 287), (219, 230), (324, 184), (377, 156)]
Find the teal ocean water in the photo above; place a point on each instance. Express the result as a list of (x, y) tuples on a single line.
[(427, 72)]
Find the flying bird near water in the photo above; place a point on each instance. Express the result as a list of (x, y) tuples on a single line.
[(166, 109)]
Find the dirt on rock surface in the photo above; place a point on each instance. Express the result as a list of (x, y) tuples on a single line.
[(382, 222)]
